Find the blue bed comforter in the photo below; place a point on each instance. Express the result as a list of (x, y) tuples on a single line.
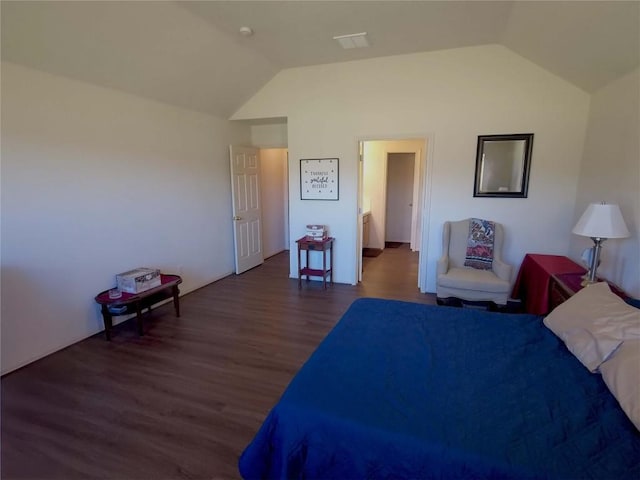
[(403, 390)]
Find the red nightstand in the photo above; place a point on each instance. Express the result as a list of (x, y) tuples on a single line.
[(534, 277), (324, 246)]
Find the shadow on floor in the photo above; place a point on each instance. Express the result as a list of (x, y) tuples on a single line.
[(371, 252)]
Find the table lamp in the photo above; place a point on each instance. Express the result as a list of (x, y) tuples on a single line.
[(600, 221)]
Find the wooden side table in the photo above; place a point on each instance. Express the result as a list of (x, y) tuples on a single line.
[(324, 246), (136, 302), (562, 286)]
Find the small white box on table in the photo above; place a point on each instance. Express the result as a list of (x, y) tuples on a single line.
[(138, 280), (316, 232)]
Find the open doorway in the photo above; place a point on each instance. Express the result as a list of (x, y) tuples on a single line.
[(274, 191), (260, 202), (391, 193)]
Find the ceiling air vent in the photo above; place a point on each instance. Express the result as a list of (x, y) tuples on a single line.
[(353, 40)]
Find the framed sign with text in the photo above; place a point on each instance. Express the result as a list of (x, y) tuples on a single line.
[(319, 179)]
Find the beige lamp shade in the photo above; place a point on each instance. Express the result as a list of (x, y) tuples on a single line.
[(601, 220)]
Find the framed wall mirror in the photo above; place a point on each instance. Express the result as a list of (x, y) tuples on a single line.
[(502, 165)]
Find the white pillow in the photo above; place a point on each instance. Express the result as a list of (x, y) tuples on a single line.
[(593, 323), (621, 373)]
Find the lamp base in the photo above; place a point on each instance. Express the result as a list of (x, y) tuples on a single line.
[(586, 282), (595, 261)]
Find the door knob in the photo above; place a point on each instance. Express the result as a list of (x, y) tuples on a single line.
[(237, 217)]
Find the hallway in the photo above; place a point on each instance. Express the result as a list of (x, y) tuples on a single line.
[(392, 274)]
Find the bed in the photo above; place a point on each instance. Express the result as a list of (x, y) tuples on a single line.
[(404, 390)]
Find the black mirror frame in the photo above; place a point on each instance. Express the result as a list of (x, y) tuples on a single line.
[(528, 138)]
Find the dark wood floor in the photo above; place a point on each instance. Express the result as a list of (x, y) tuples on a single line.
[(185, 399)]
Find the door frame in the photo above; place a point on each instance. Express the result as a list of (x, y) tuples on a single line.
[(285, 185), (425, 164)]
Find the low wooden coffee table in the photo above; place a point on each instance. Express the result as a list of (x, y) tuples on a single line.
[(136, 302)]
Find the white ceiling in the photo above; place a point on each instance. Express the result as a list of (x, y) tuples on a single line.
[(190, 54)]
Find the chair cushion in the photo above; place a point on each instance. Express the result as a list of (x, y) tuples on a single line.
[(473, 279)]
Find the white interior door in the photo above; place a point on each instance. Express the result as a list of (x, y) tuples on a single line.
[(416, 223), (359, 239), (247, 209), (399, 208)]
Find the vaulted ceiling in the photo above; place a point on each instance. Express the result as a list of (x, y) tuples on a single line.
[(191, 54)]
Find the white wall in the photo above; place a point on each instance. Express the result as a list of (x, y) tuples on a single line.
[(454, 95), (611, 172), (95, 182), (273, 190), (269, 135)]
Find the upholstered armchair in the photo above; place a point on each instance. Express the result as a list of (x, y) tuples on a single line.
[(454, 279)]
